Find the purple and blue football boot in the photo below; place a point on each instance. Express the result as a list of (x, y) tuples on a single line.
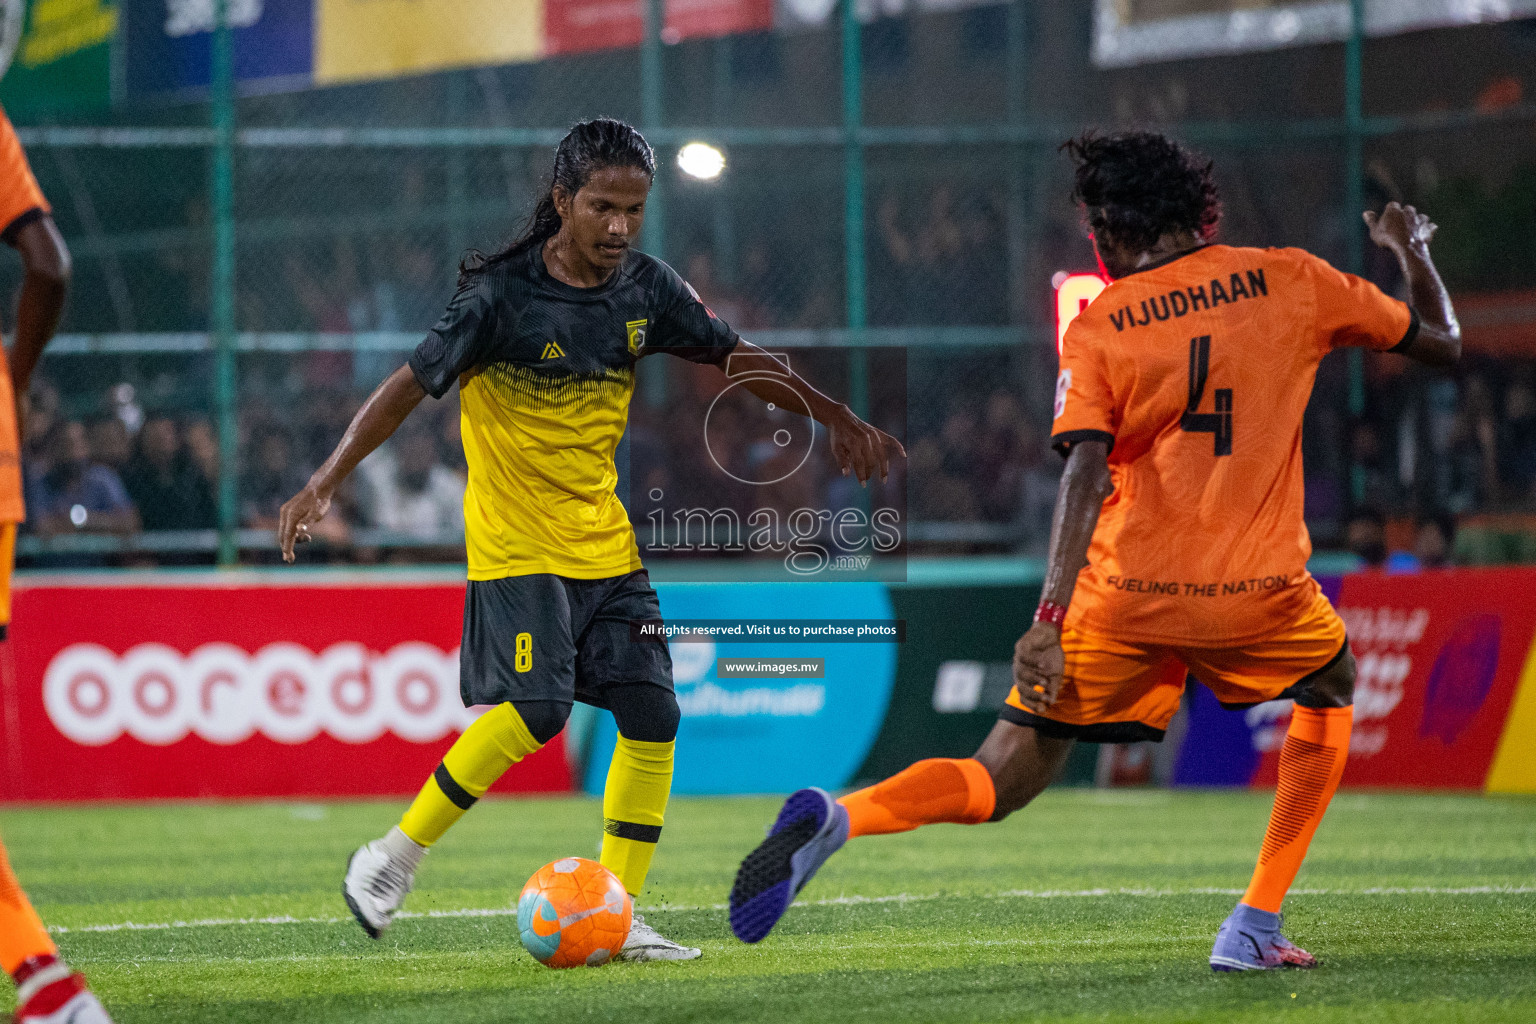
[(811, 826), (1250, 940)]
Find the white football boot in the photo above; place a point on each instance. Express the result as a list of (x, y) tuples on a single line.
[(378, 877), (56, 995), (646, 943)]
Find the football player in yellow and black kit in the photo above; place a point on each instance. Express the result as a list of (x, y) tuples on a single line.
[(543, 339)]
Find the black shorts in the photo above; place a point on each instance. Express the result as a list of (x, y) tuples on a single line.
[(547, 637)]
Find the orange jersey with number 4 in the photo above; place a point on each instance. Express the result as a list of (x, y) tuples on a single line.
[(21, 202), (1197, 372)]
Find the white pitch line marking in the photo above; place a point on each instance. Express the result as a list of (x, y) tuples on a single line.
[(834, 901), (1111, 940)]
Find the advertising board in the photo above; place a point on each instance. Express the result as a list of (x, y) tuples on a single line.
[(124, 692), (214, 686), (769, 735), (1443, 658)]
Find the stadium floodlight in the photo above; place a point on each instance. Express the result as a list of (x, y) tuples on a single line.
[(700, 160)]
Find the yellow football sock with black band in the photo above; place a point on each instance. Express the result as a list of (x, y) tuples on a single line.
[(493, 743), (634, 804)]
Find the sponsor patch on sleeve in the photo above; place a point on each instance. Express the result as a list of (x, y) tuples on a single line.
[(1063, 385)]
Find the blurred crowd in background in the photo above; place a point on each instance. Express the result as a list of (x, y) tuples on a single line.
[(961, 242), (1449, 455), (1428, 452), (130, 470)]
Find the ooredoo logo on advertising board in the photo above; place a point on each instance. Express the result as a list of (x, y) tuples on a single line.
[(237, 690), (289, 694)]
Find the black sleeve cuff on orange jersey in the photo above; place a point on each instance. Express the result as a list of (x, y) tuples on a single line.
[(1412, 332), (1064, 441), (32, 216)]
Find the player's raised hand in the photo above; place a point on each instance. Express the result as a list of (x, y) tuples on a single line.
[(298, 514), (1397, 227), (1038, 664), (862, 449)]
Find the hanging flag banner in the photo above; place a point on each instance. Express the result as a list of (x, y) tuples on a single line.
[(63, 58), (1140, 32), (800, 14), (698, 19), (168, 44), (575, 26), (357, 40)]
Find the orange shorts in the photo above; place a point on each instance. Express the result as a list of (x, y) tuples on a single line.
[(1117, 692)]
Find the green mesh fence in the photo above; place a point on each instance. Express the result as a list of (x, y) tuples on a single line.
[(930, 214)]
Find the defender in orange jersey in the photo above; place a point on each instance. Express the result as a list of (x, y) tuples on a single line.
[(46, 988), (1178, 546)]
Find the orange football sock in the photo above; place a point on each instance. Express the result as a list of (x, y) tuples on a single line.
[(938, 789), (1311, 763), (22, 935)]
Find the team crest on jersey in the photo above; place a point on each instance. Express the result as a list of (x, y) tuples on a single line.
[(552, 351), (636, 330), (1063, 385)]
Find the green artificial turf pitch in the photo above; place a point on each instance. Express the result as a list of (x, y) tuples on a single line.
[(1088, 905)]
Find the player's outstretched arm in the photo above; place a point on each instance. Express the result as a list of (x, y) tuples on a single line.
[(379, 417), (1406, 233), (858, 447), (46, 269), (1085, 483)]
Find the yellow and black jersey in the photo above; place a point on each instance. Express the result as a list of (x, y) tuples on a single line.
[(546, 371)]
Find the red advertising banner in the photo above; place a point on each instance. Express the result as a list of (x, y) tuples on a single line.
[(243, 690), (1440, 658), (575, 26)]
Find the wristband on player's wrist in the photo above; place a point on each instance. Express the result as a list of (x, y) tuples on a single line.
[(1050, 611)]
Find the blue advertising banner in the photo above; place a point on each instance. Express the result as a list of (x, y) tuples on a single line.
[(770, 735), (167, 45)]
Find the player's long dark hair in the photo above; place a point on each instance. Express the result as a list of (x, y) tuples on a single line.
[(1138, 186), (587, 148)]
